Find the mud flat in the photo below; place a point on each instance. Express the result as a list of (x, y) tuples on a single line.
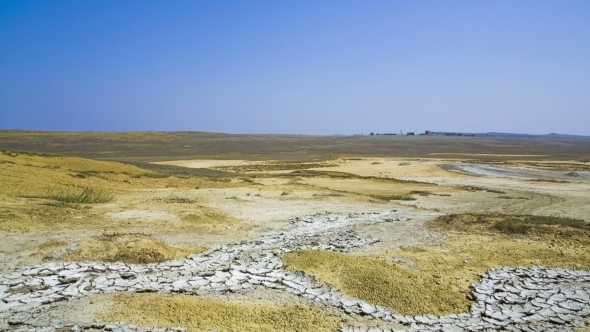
[(509, 298), (519, 172), (347, 244)]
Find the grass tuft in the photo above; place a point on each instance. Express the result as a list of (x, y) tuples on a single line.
[(512, 226), (81, 196)]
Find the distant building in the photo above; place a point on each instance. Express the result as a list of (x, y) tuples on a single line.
[(427, 132), (410, 133)]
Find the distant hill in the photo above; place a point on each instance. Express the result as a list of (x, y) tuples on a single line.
[(514, 135)]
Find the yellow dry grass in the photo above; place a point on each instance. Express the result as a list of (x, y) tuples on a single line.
[(379, 281), (29, 175), (206, 216), (438, 278), (213, 222), (31, 186), (483, 252), (127, 248), (200, 314), (69, 163)]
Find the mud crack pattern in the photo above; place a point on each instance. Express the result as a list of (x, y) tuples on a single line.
[(516, 299)]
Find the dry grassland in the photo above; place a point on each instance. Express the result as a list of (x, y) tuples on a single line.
[(201, 314), (45, 192), (436, 280), (162, 146), (379, 281)]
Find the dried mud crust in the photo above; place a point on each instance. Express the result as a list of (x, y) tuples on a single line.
[(523, 298)]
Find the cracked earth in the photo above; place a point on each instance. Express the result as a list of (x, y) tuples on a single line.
[(62, 268), (511, 298)]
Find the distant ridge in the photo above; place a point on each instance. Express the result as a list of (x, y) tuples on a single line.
[(514, 135)]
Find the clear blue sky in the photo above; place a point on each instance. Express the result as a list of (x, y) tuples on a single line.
[(304, 67)]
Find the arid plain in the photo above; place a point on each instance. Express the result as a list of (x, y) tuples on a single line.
[(388, 233)]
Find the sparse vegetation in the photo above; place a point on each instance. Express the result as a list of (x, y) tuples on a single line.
[(152, 175), (548, 180), (173, 200), (495, 191), (388, 198), (205, 314), (80, 195), (116, 247), (420, 192), (473, 188), (513, 224)]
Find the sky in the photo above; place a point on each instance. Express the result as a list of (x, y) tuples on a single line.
[(296, 67)]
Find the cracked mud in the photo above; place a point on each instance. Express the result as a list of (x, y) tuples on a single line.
[(511, 298)]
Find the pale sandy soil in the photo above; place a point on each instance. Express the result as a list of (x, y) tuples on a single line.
[(208, 163)]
